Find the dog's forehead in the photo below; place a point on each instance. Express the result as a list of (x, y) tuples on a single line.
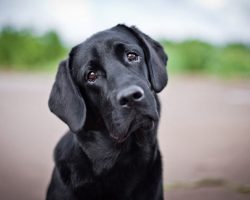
[(101, 44), (106, 39)]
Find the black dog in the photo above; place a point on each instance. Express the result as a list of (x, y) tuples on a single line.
[(106, 93)]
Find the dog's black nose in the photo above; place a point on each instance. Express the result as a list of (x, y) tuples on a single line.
[(127, 97)]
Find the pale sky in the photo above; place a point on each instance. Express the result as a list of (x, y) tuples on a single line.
[(217, 21)]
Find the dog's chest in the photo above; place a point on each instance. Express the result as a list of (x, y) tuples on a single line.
[(116, 180), (105, 155)]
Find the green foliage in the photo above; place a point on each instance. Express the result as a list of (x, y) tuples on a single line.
[(232, 60), (22, 49)]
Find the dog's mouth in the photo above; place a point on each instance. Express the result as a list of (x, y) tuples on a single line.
[(142, 124)]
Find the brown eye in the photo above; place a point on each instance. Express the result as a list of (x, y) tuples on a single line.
[(132, 57), (92, 76)]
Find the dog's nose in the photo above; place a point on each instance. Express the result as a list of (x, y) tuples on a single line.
[(128, 96)]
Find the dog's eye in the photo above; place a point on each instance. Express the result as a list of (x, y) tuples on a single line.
[(132, 57), (92, 76)]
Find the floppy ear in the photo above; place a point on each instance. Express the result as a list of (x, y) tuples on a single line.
[(65, 100), (156, 60)]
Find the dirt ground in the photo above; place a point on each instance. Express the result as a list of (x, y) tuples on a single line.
[(204, 138)]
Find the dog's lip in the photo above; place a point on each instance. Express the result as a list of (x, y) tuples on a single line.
[(148, 125), (120, 139)]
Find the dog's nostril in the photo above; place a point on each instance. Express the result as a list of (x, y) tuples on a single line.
[(137, 95), (130, 95), (123, 101)]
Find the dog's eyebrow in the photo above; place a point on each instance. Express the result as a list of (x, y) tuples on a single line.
[(95, 54), (94, 58)]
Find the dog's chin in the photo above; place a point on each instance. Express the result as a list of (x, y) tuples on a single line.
[(142, 124)]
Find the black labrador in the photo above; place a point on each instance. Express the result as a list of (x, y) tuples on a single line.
[(106, 93)]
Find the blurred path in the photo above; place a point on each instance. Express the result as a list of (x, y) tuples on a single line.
[(204, 134)]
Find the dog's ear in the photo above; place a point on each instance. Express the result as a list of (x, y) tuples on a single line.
[(156, 60), (65, 99)]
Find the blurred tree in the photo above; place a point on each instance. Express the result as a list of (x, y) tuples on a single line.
[(192, 56), (22, 49)]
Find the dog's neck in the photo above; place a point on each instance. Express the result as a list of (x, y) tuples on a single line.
[(103, 152)]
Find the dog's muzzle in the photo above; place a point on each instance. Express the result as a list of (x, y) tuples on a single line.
[(138, 107)]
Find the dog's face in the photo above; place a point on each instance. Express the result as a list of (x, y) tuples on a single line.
[(113, 76)]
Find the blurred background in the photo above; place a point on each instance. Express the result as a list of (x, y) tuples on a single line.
[(205, 126)]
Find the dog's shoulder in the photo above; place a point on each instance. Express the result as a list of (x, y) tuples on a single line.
[(72, 164), (64, 147)]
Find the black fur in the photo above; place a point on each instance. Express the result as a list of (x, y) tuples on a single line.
[(111, 151)]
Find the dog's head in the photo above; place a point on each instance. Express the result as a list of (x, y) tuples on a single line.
[(112, 79)]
